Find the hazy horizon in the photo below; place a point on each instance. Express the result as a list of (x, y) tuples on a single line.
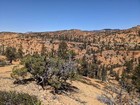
[(64, 30)]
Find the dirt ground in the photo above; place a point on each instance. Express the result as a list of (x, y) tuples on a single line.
[(86, 94)]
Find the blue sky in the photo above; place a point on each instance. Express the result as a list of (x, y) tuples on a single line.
[(51, 15)]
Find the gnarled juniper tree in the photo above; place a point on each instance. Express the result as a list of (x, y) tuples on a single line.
[(51, 71)]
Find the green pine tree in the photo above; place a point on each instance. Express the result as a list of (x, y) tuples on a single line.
[(10, 54)]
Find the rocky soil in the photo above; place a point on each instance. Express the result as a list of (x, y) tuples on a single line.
[(85, 94)]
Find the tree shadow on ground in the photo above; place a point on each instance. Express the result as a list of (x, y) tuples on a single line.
[(89, 82), (65, 89), (24, 81)]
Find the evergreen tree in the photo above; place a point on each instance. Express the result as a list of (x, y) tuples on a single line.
[(43, 49), (129, 66), (10, 54), (84, 66), (3, 49), (52, 53), (136, 78), (126, 80), (20, 52), (104, 73), (62, 50), (72, 53)]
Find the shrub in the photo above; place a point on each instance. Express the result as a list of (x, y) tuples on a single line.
[(14, 98), (19, 74), (115, 95), (2, 63), (105, 100), (34, 64)]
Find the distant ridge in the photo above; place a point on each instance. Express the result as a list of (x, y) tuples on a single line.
[(101, 30)]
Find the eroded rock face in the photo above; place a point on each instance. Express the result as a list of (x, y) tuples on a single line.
[(110, 46)]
